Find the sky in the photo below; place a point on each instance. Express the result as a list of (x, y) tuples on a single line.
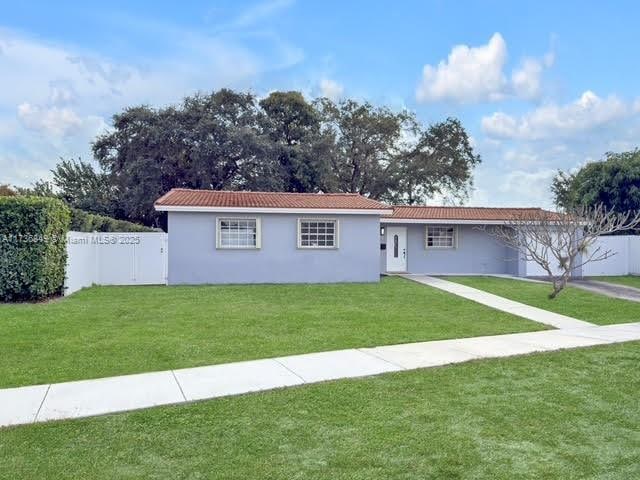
[(540, 86)]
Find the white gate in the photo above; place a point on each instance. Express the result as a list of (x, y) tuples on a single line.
[(115, 259), (624, 258), (617, 263), (634, 255)]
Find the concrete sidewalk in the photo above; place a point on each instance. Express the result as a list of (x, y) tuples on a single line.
[(130, 392), (500, 303)]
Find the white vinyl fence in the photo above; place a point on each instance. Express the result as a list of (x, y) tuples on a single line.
[(626, 260), (115, 259), (533, 269)]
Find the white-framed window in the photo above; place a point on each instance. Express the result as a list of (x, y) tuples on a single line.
[(238, 233), (317, 233), (441, 236)]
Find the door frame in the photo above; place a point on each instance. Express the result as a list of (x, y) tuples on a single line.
[(389, 241)]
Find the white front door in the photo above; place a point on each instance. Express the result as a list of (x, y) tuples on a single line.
[(396, 249)]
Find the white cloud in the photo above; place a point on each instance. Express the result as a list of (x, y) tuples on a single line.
[(477, 74), (38, 72), (15, 171), (58, 122), (479, 197), (526, 79), (331, 89), (35, 72), (528, 187), (469, 74), (260, 11), (499, 125), (61, 92), (519, 187), (518, 170), (521, 158), (54, 121), (55, 98), (557, 121), (520, 181)]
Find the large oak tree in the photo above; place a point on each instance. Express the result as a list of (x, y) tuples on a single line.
[(233, 140), (301, 148), (390, 156), (210, 142)]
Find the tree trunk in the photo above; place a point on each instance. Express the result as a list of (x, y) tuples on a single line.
[(558, 286)]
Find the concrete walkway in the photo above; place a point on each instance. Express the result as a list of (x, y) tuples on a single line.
[(612, 290), (500, 303), (85, 398)]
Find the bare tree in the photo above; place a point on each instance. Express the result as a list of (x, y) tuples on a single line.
[(561, 242)]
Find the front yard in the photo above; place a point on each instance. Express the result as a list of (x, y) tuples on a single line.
[(569, 415), (105, 331), (580, 304)]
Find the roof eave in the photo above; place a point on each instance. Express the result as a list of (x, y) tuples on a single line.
[(445, 221), (303, 210), (449, 221)]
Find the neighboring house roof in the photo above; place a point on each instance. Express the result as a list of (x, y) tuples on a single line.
[(423, 214), (181, 199)]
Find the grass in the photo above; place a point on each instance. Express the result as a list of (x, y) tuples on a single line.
[(104, 331), (569, 415), (626, 280), (580, 304)]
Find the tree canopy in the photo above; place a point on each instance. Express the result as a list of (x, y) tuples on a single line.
[(301, 150), (283, 142), (613, 183)]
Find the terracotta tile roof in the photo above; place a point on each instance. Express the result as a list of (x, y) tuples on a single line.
[(181, 197), (464, 213)]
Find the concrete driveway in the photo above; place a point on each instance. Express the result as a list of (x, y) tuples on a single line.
[(609, 289)]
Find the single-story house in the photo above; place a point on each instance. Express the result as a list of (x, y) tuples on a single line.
[(269, 237), (256, 237)]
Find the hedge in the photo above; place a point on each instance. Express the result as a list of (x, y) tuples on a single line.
[(82, 221), (33, 250)]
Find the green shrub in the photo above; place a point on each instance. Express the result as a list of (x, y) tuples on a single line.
[(33, 250), (82, 221)]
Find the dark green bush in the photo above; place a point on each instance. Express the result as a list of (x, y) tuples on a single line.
[(82, 221), (33, 250)]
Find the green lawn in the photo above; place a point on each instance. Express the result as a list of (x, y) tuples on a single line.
[(568, 415), (107, 331), (580, 304), (626, 280)]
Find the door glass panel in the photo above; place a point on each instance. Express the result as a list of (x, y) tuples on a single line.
[(395, 246)]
